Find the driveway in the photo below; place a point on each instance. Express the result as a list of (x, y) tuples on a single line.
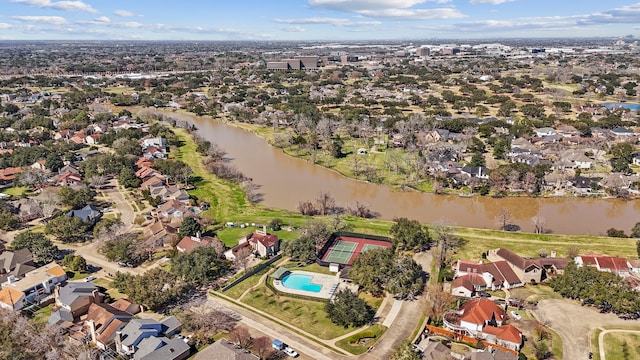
[(574, 324)]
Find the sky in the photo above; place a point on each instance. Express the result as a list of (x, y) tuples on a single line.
[(315, 19)]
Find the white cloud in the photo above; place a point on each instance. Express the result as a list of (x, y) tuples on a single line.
[(54, 20), (359, 5), (5, 26), (131, 24), (494, 2), (59, 5), (125, 13), (103, 20), (293, 29), (391, 9), (327, 21)]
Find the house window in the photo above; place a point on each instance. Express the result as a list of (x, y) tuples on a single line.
[(535, 271)]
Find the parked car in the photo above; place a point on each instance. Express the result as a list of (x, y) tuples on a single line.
[(89, 278), (289, 351), (484, 295), (515, 315)]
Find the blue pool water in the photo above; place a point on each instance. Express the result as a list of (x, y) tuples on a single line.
[(622, 105), (300, 282)]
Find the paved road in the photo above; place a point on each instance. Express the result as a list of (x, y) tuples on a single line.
[(601, 339), (114, 194), (259, 323), (574, 324)]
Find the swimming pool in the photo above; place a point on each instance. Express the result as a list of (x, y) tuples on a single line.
[(300, 282)]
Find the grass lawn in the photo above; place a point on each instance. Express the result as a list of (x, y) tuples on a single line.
[(76, 275), (622, 346), (111, 291), (595, 346), (528, 244), (16, 190), (533, 293), (359, 343), (304, 314), (312, 268), (373, 301), (41, 316), (236, 291)]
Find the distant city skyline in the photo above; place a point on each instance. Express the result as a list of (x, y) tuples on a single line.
[(314, 19)]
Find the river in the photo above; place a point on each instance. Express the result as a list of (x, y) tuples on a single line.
[(285, 181)]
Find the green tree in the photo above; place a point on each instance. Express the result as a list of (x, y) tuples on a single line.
[(200, 267), (347, 309), (122, 248), (189, 227), (74, 262), (635, 231), (128, 178), (124, 146), (405, 352), (8, 221), (613, 232), (405, 279), (155, 289), (371, 270), (41, 247), (409, 234), (302, 248), (67, 228), (275, 224), (76, 199), (477, 160)]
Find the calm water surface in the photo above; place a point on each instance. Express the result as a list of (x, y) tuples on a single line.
[(285, 181)]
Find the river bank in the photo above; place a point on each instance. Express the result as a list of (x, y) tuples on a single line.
[(231, 207)]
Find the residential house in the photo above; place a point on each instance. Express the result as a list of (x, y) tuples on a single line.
[(545, 131), (491, 354), (153, 182), (39, 165), (34, 286), (160, 233), (173, 211), (128, 339), (224, 350), (88, 213), (103, 322), (496, 274), (617, 265), (162, 348), (583, 185), (92, 139), (143, 161), (146, 172), (527, 270), (480, 172), (483, 319), (27, 209), (68, 179), (622, 134), (468, 285), (154, 152), (263, 243), (158, 142), (73, 300), (15, 264), (233, 253), (190, 243), (8, 175), (171, 192), (433, 350)]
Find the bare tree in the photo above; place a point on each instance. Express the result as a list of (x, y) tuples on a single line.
[(441, 302), (205, 321), (514, 179), (243, 256), (240, 336), (307, 208), (325, 202), (446, 241), (539, 224), (529, 182), (362, 210), (97, 181), (251, 191), (503, 219), (262, 347)]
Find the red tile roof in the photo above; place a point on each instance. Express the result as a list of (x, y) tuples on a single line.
[(190, 243), (469, 281), (481, 311), (500, 270), (506, 332)]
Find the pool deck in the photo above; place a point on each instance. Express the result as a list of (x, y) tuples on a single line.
[(328, 283)]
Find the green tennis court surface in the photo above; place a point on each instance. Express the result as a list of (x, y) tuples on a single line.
[(341, 252), (368, 247)]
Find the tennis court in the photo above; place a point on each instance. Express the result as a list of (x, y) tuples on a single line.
[(368, 247), (341, 252), (345, 249)]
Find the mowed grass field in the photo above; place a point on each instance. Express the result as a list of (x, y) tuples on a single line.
[(622, 346)]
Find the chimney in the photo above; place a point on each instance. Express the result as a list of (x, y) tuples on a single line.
[(92, 330), (198, 235), (264, 228), (56, 291), (118, 341), (553, 253)]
